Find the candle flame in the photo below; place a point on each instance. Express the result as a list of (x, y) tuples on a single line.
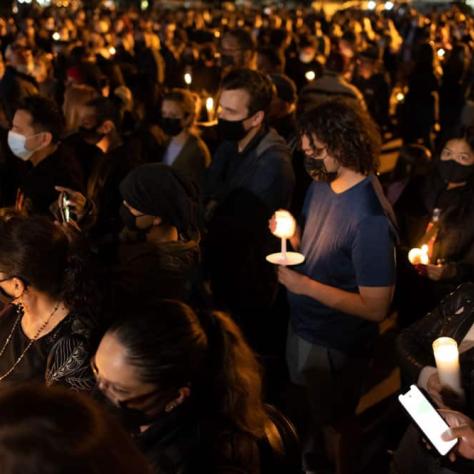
[(285, 224), (418, 256), (210, 104)]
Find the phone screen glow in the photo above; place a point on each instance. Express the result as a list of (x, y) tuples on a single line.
[(427, 418)]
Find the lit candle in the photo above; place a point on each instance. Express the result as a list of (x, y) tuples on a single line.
[(188, 79), (418, 256), (285, 227), (446, 354), (310, 76), (210, 108)]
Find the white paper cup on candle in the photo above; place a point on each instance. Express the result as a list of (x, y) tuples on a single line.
[(446, 354)]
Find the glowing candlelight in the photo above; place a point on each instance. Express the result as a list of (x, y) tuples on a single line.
[(400, 96), (285, 227), (310, 76), (446, 354), (210, 107), (188, 79), (418, 256)]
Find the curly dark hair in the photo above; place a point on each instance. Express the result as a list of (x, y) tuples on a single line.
[(347, 131)]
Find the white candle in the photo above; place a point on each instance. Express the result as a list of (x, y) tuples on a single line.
[(446, 354), (285, 228), (210, 108)]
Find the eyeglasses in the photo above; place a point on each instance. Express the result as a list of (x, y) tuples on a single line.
[(136, 399)]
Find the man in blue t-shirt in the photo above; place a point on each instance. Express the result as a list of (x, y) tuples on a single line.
[(345, 286)]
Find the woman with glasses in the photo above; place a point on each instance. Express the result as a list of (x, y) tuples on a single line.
[(47, 327), (438, 210), (189, 389)]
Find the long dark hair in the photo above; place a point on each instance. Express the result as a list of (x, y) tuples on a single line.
[(172, 348), (40, 253), (54, 430)]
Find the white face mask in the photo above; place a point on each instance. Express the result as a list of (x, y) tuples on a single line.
[(17, 142)]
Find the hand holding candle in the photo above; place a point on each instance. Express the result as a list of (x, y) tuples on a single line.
[(283, 225), (446, 354)]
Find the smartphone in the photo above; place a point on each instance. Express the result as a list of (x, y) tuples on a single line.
[(427, 418), (64, 208)]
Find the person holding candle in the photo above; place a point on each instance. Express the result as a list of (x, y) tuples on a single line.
[(345, 286), (445, 195), (452, 318)]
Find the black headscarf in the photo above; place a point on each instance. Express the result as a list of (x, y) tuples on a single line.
[(156, 189)]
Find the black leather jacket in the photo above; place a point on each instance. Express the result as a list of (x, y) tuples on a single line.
[(453, 317)]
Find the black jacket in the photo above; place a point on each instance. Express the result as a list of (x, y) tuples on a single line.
[(185, 442), (452, 318)]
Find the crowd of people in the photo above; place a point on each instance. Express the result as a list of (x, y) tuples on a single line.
[(143, 158)]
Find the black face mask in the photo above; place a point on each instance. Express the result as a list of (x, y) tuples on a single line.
[(130, 221), (453, 172), (171, 126), (231, 130), (317, 170), (130, 418), (227, 60), (91, 135)]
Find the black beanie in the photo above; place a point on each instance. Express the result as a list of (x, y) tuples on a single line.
[(158, 190)]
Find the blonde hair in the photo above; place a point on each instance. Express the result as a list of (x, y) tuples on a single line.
[(76, 95), (188, 101)]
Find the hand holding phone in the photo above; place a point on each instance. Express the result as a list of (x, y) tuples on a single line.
[(427, 419)]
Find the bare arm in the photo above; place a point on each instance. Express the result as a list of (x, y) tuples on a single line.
[(371, 303)]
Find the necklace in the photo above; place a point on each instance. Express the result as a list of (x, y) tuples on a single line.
[(30, 343)]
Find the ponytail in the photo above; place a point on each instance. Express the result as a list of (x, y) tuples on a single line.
[(234, 375), (172, 347)]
